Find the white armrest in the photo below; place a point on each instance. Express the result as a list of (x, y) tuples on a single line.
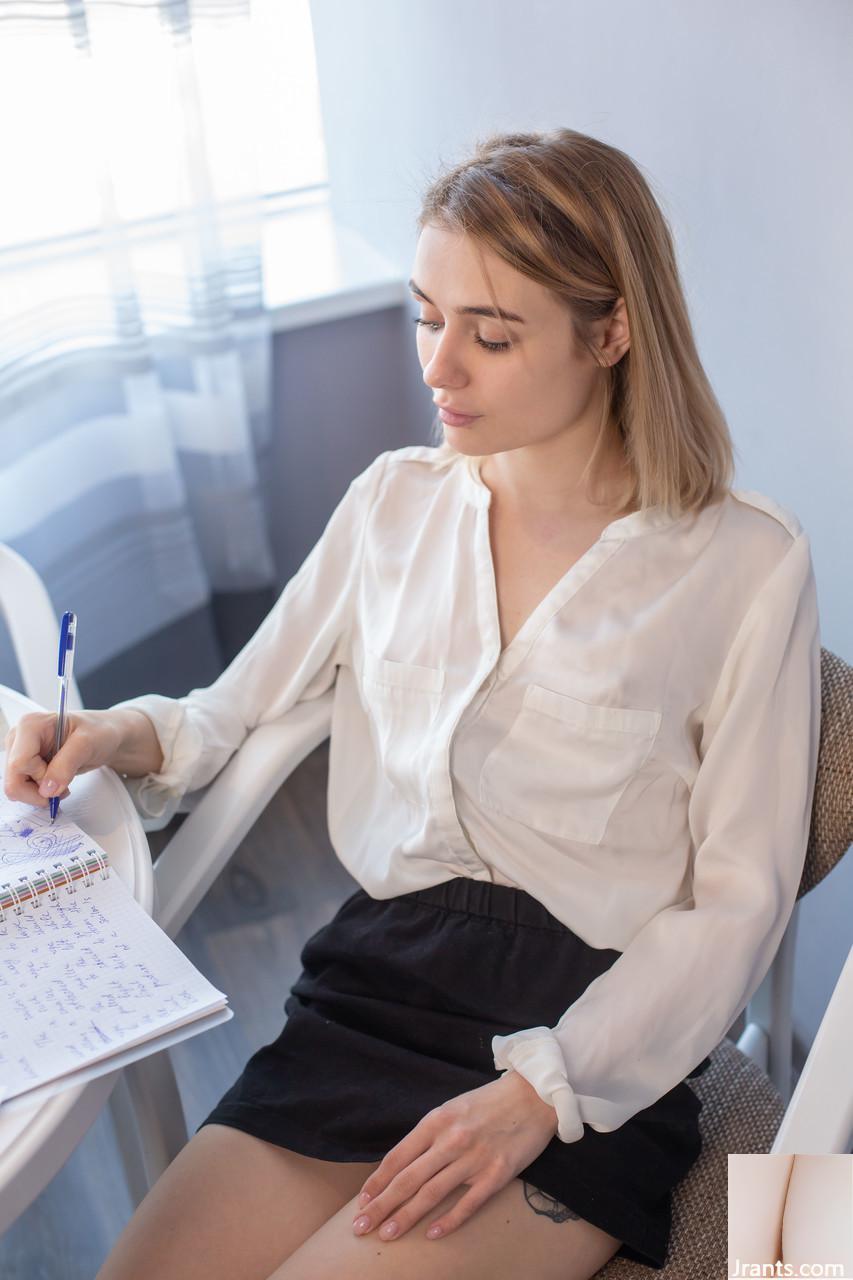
[(230, 804), (819, 1118), (767, 1036)]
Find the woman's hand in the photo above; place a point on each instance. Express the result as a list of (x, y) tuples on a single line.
[(91, 740), (482, 1139)]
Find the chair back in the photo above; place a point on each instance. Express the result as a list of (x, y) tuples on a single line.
[(768, 1034), (831, 829), (31, 621)]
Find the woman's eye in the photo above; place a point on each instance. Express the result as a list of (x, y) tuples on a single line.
[(489, 346)]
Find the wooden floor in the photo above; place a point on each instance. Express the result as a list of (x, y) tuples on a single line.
[(283, 884)]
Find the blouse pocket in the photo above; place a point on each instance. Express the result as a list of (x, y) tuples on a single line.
[(403, 699), (564, 764)]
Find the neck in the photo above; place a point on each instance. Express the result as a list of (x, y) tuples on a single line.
[(530, 486)]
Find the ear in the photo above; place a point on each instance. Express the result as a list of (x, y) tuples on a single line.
[(615, 336)]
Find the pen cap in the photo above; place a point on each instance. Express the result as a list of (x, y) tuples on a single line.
[(67, 633)]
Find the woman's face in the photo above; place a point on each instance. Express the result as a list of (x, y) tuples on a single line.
[(543, 386)]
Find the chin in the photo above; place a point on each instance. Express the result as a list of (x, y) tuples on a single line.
[(460, 439)]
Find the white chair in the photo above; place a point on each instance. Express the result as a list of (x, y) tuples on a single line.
[(144, 1102), (746, 1090)]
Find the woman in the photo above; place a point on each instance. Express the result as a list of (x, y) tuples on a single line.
[(572, 758)]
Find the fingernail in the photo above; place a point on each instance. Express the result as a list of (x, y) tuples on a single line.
[(433, 1233), (390, 1229), (47, 787), (361, 1224), (363, 1199)]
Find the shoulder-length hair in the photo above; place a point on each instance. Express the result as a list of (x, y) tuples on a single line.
[(577, 216)]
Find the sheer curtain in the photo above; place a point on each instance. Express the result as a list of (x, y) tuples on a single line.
[(135, 352)]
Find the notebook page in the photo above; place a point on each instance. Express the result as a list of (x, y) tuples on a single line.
[(29, 840), (86, 975), (35, 1097)]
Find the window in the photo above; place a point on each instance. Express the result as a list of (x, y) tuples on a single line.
[(105, 115)]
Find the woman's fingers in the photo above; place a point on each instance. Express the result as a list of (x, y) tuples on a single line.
[(403, 1156), (31, 764), (420, 1207), (71, 759), (466, 1206), (398, 1209), (25, 764), (409, 1214), (403, 1190)]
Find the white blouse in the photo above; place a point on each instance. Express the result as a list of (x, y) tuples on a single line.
[(640, 758)]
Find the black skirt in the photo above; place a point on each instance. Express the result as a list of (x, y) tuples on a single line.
[(393, 1014)]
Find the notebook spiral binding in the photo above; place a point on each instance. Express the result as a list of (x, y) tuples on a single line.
[(28, 890)]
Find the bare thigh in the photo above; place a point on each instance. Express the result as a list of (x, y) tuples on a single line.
[(230, 1205), (757, 1185), (519, 1234), (818, 1225)]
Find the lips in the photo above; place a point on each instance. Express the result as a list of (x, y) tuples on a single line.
[(455, 419)]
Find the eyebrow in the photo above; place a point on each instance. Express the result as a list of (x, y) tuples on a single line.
[(470, 311)]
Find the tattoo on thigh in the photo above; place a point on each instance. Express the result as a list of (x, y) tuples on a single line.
[(547, 1205)]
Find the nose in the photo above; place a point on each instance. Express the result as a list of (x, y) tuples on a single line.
[(443, 369)]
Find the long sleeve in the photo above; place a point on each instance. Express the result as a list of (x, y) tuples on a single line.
[(675, 990), (291, 657)]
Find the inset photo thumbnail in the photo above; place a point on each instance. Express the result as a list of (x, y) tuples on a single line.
[(790, 1216)]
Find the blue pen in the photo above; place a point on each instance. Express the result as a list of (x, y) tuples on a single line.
[(67, 632)]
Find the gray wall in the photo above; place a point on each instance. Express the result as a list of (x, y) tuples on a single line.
[(344, 391)]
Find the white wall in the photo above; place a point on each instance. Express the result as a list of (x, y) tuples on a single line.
[(739, 115)]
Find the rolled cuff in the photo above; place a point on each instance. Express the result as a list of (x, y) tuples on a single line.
[(536, 1055), (157, 796)]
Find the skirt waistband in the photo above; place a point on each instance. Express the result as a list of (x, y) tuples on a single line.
[(505, 902), (496, 901)]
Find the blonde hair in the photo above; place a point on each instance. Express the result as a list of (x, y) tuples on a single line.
[(578, 217)]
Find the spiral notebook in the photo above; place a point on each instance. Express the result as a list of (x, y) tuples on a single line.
[(88, 981)]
